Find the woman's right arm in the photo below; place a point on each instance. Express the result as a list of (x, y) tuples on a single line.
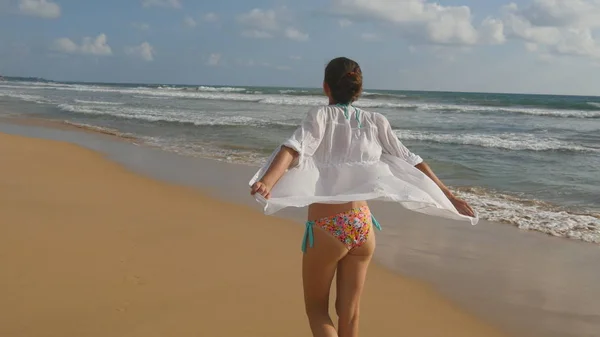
[(392, 145)]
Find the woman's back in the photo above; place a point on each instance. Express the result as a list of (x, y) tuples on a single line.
[(349, 137)]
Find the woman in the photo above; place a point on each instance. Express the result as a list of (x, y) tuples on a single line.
[(339, 158)]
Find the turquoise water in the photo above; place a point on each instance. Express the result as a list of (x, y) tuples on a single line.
[(527, 160)]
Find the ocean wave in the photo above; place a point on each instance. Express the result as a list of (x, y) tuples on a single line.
[(184, 147), (99, 129), (533, 215), (505, 141), (217, 89), (178, 117), (296, 92), (526, 214), (594, 104), (510, 110), (97, 102), (382, 95), (25, 97), (301, 97)]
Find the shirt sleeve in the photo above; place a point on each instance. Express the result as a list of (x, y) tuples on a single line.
[(391, 144), (307, 137)]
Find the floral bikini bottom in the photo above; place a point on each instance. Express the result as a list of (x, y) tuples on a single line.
[(351, 227)]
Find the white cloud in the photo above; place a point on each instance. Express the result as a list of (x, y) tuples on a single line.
[(214, 59), (40, 8), (562, 13), (145, 51), (555, 27), (210, 17), (296, 35), (252, 63), (88, 46), (418, 19), (369, 37), (256, 34), (268, 23), (492, 31), (344, 23), (189, 22), (65, 45), (161, 3), (296, 57), (245, 63), (259, 21), (141, 26)]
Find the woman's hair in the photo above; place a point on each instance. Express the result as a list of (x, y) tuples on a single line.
[(344, 78)]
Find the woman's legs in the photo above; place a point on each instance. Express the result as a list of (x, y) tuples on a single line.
[(318, 268), (330, 255), (351, 275)]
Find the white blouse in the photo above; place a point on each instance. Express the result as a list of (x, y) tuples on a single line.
[(347, 154)]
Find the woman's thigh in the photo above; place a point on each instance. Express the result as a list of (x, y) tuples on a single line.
[(352, 273), (319, 265)]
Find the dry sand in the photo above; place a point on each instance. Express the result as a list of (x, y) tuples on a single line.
[(89, 249)]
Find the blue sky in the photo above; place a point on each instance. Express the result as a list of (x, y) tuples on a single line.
[(547, 46)]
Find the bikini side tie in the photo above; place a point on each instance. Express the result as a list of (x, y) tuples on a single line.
[(308, 235)]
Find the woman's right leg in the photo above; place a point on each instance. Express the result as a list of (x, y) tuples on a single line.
[(351, 275), (318, 269)]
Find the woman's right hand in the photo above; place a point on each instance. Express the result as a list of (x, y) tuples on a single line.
[(261, 188), (462, 206)]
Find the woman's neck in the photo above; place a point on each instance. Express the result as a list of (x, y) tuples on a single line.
[(332, 102)]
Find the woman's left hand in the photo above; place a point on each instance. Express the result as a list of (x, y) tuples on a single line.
[(462, 206)]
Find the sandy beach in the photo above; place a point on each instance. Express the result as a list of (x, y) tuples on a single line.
[(91, 249)]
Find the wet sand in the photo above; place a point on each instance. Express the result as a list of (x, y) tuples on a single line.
[(526, 283), (89, 248)]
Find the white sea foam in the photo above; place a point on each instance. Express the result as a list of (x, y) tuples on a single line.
[(196, 149), (237, 94), (99, 129), (293, 91), (377, 94), (507, 141), (511, 110), (594, 104), (497, 207), (98, 102), (161, 115), (533, 215), (25, 97), (219, 89)]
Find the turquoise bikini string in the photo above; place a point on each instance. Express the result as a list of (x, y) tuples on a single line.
[(308, 234), (347, 114), (375, 222)]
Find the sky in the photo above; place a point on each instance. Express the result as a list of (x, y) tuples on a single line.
[(528, 46)]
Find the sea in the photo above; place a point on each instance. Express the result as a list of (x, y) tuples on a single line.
[(529, 161)]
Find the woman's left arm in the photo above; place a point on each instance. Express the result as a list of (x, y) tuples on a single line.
[(461, 206), (276, 170)]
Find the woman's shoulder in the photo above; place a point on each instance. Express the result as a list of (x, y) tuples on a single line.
[(324, 112), (373, 117)]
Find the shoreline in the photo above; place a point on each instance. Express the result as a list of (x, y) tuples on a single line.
[(566, 221), (108, 252), (463, 265)]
